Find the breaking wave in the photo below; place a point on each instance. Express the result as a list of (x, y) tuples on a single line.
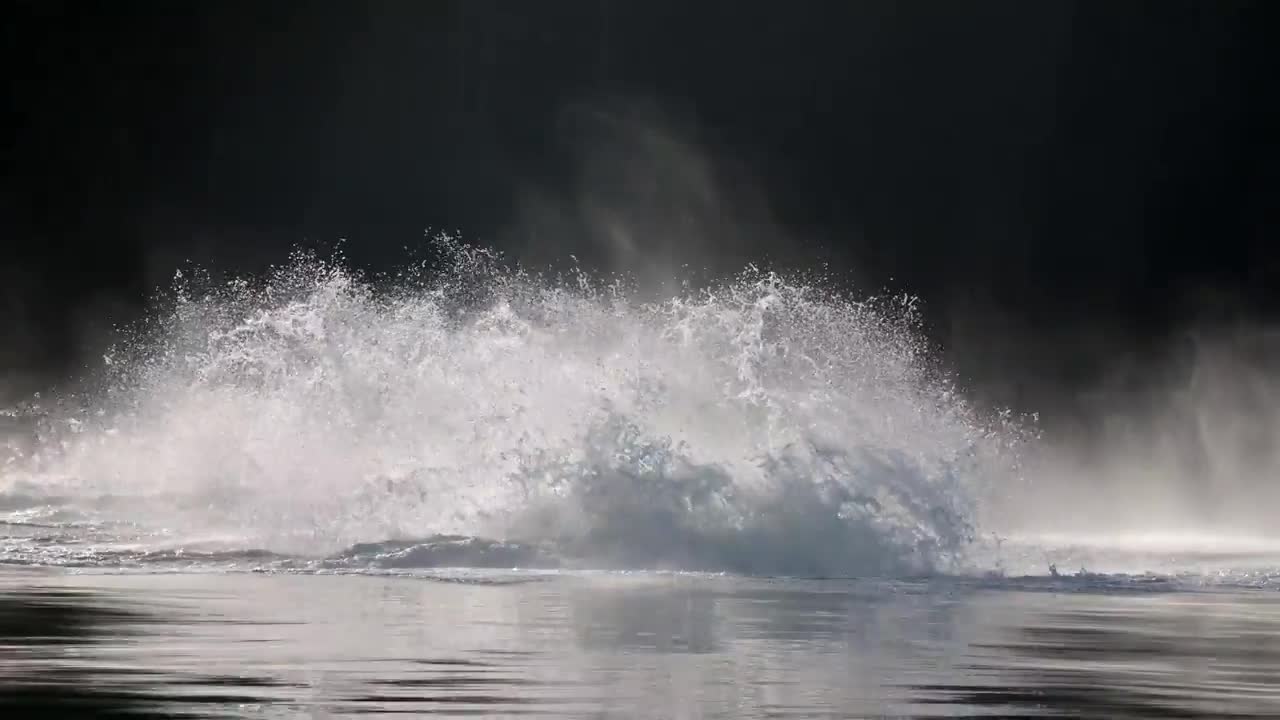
[(766, 424)]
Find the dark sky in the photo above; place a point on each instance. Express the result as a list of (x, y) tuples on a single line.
[(1056, 179)]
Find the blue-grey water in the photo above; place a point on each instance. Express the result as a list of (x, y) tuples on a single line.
[(630, 645)]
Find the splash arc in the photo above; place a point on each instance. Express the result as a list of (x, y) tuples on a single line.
[(765, 424)]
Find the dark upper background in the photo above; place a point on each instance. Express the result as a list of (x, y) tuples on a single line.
[(1063, 183)]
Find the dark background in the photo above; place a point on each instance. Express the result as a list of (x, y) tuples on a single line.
[(1068, 185)]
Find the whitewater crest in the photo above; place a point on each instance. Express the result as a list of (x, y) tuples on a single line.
[(765, 424)]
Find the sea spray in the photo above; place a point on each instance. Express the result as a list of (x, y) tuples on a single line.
[(764, 424)]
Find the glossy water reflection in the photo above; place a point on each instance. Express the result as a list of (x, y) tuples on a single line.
[(470, 644)]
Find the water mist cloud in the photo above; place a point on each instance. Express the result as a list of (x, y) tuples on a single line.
[(643, 194), (1183, 444)]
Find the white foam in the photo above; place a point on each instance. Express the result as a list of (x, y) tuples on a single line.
[(767, 424)]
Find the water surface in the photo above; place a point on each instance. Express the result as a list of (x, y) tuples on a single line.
[(491, 643)]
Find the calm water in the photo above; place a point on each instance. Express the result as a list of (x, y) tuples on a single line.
[(630, 645)]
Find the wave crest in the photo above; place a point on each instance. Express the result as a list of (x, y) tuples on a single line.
[(766, 424)]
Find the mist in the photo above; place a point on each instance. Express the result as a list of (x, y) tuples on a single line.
[(646, 195), (1190, 451)]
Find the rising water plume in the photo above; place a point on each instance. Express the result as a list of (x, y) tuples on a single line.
[(766, 424)]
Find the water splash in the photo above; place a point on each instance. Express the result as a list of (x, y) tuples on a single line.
[(766, 424)]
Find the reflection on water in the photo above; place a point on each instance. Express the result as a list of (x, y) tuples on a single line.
[(55, 644), (1176, 657), (666, 646)]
